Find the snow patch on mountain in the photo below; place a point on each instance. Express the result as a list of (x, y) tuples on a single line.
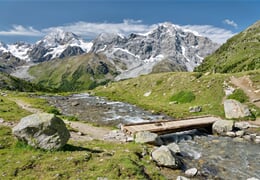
[(20, 50)]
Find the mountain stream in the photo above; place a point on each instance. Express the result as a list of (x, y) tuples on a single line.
[(215, 157)]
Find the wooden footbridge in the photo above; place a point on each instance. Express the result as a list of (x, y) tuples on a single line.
[(170, 126)]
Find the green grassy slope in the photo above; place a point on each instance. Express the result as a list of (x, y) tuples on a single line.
[(173, 93), (74, 73), (240, 53), (8, 82)]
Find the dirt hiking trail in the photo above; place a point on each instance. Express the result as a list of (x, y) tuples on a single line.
[(246, 85)]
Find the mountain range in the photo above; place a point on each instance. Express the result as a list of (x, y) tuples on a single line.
[(167, 47)]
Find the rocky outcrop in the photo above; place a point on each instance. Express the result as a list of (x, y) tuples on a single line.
[(234, 109), (8, 62), (221, 127), (163, 156), (43, 130), (71, 51)]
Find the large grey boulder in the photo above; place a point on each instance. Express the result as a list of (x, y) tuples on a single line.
[(163, 156), (221, 127), (234, 109), (148, 137), (42, 130)]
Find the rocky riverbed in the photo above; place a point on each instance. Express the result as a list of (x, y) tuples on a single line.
[(214, 157), (100, 111)]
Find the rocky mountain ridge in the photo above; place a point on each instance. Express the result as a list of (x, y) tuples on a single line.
[(141, 53), (168, 47)]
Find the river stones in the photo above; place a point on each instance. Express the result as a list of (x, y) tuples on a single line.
[(174, 148), (163, 156), (234, 109), (148, 137), (191, 172), (221, 127), (42, 130), (242, 125)]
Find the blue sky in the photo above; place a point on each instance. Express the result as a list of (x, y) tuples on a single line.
[(30, 20)]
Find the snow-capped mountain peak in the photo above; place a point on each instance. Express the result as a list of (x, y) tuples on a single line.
[(142, 53), (59, 44), (20, 50), (59, 37)]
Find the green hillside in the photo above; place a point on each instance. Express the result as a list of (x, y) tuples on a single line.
[(9, 82), (240, 53), (174, 93), (74, 73)]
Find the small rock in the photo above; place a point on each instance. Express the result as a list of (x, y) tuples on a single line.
[(240, 133), (195, 109), (221, 127), (129, 138), (247, 137), (231, 134), (174, 148), (229, 90), (252, 178), (241, 125), (182, 178), (2, 120), (191, 172), (257, 140), (147, 93), (102, 178), (252, 137), (173, 102), (75, 103), (148, 137), (80, 133)]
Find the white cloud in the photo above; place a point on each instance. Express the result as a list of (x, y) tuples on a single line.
[(230, 22), (216, 34), (90, 30), (19, 30)]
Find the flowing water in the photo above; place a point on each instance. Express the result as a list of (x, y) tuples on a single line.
[(101, 111), (214, 157)]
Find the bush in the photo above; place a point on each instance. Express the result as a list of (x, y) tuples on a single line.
[(183, 97), (53, 110), (238, 95)]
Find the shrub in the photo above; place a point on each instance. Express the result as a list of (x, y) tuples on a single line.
[(53, 110), (183, 97), (238, 95)]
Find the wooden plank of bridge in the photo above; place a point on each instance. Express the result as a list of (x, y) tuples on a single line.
[(164, 127)]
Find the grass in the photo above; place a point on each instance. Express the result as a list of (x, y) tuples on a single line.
[(74, 73), (75, 161), (239, 95), (183, 97), (10, 111), (187, 89), (190, 88), (240, 53)]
